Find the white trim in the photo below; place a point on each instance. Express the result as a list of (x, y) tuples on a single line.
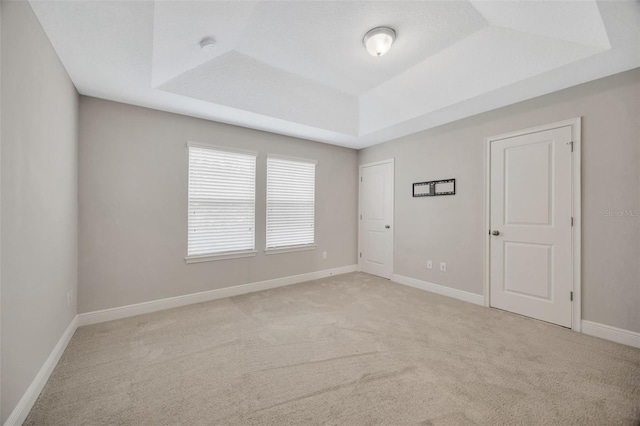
[(476, 299), (377, 163), (576, 211), (486, 285), (221, 256), (607, 332), (541, 128), (289, 249), (202, 145), (24, 406), (95, 317), (618, 335), (290, 158), (391, 161), (21, 411), (576, 207)]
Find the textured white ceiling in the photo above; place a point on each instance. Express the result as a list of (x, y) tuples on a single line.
[(299, 67)]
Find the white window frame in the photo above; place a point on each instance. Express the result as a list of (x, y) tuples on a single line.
[(228, 254), (290, 248)]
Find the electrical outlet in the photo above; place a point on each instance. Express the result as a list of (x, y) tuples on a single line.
[(429, 264), (443, 266), (324, 255)]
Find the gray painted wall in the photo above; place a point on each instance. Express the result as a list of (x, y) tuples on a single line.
[(132, 200), (133, 206), (39, 200), (451, 229)]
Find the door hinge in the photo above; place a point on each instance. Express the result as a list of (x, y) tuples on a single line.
[(360, 178), (571, 297), (360, 217), (571, 145), (571, 220), (360, 254)]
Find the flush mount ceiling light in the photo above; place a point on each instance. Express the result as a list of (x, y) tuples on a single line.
[(378, 41), (207, 44)]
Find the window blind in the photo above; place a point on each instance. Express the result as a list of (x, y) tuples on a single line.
[(221, 201), (290, 202)]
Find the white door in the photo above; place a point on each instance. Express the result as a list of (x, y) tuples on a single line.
[(530, 221), (376, 219)]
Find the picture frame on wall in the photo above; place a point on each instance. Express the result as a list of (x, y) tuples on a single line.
[(434, 188)]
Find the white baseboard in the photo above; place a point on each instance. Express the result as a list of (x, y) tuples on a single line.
[(95, 317), (21, 411), (477, 299), (607, 332), (618, 335)]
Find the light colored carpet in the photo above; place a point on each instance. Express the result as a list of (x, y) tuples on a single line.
[(351, 349)]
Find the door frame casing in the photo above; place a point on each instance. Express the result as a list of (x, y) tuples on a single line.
[(576, 211), (393, 200)]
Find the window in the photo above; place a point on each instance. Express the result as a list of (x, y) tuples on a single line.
[(222, 200), (290, 202)]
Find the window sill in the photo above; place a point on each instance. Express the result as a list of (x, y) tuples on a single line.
[(221, 256), (289, 249)]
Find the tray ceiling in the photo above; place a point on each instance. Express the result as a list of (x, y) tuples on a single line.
[(299, 67)]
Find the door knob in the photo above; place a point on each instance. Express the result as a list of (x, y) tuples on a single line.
[(495, 233), (387, 226)]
